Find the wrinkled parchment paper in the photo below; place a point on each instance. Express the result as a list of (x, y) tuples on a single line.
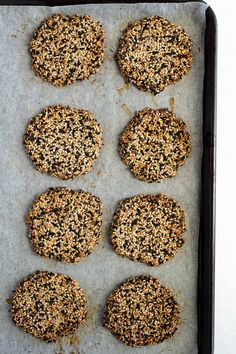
[(22, 95)]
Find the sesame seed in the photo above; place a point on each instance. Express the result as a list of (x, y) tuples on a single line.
[(148, 228), (154, 53), (48, 305), (141, 312), (63, 141), (67, 48), (64, 224), (154, 144)]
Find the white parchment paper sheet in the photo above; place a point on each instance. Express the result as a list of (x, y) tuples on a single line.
[(22, 95)]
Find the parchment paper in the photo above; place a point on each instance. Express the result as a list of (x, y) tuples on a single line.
[(22, 95)]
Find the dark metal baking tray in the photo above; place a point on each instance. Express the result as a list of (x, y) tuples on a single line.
[(207, 218)]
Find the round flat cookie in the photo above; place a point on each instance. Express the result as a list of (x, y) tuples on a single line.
[(67, 48), (141, 312), (65, 224), (48, 305), (148, 228), (154, 144), (63, 142), (154, 53)]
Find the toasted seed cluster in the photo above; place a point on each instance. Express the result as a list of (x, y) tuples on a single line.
[(48, 305), (154, 144), (148, 228), (154, 53), (63, 141), (67, 48), (65, 224), (141, 312)]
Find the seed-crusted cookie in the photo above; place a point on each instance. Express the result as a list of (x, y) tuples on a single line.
[(154, 144), (141, 312), (148, 228), (67, 48), (65, 224), (48, 305), (154, 53), (63, 142)]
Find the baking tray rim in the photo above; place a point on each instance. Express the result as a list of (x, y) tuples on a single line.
[(206, 246)]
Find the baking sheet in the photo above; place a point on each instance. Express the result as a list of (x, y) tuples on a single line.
[(22, 96)]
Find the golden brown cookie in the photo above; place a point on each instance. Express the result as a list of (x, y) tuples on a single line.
[(154, 144), (148, 228), (63, 142), (48, 305), (141, 312), (67, 48), (154, 53), (65, 224)]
